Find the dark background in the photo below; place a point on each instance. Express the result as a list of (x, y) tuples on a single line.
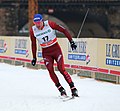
[(102, 21)]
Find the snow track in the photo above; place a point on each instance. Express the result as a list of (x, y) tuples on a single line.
[(23, 89)]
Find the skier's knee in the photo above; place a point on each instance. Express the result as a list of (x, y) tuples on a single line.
[(62, 71)]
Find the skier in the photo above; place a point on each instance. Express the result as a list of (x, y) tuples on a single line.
[(44, 32)]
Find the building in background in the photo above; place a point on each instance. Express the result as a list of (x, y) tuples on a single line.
[(102, 20)]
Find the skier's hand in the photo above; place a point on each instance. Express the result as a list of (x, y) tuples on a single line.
[(33, 62), (73, 45)]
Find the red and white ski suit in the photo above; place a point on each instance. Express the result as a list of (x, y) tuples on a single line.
[(50, 48)]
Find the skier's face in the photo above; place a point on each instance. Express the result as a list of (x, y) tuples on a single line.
[(39, 24)]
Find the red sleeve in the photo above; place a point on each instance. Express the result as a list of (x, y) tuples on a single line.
[(55, 26), (33, 43)]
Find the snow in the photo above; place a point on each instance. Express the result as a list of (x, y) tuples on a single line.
[(23, 89)]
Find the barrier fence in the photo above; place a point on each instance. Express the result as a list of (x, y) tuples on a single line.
[(94, 57)]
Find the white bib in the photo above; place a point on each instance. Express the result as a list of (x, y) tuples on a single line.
[(46, 37)]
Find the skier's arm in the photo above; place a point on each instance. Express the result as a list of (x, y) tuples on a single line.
[(55, 26), (33, 43)]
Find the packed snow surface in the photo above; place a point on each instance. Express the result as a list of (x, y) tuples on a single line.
[(23, 89)]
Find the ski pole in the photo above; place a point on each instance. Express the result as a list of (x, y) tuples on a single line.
[(82, 23)]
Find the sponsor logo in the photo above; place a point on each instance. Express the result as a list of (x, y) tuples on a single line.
[(112, 62), (87, 59), (21, 47), (78, 54), (45, 32), (19, 51), (3, 46), (76, 57), (113, 54)]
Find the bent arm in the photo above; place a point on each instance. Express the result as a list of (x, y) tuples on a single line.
[(55, 26)]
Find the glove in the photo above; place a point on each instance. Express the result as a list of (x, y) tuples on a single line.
[(73, 45), (33, 62)]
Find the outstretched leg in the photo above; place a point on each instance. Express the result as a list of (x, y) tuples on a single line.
[(61, 68), (49, 61)]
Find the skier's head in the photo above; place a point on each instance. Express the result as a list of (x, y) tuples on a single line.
[(37, 17), (38, 20)]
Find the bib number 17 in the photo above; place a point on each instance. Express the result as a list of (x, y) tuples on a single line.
[(45, 38)]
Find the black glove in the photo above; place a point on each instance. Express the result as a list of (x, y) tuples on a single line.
[(33, 62), (73, 45)]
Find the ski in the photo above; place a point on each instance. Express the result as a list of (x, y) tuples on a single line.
[(64, 97), (67, 98)]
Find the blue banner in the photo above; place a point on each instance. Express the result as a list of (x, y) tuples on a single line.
[(19, 51), (112, 62), (1, 50), (77, 57)]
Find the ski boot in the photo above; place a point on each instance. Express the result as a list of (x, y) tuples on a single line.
[(74, 92), (61, 90)]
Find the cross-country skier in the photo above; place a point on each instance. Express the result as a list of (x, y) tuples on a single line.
[(44, 32)]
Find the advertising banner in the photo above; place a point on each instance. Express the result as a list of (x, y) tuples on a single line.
[(21, 48), (109, 53), (102, 55), (16, 48), (5, 46), (85, 54)]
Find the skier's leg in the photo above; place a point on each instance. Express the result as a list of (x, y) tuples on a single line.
[(61, 68), (49, 61)]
